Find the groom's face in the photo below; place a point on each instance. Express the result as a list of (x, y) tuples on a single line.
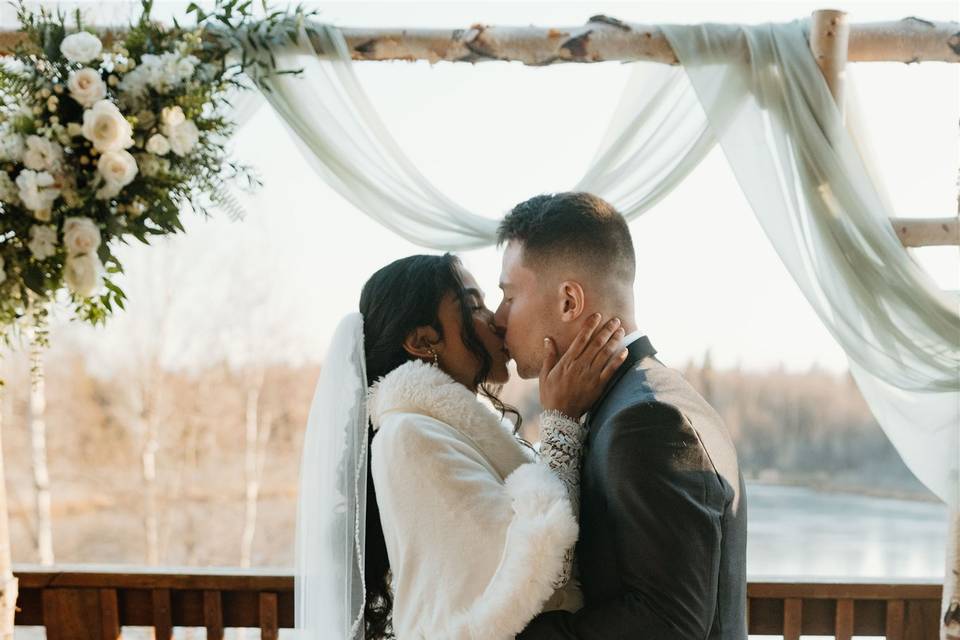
[(526, 312)]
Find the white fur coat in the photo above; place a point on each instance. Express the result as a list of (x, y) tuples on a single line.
[(475, 531)]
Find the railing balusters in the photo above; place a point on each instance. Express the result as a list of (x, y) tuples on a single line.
[(792, 614), (213, 615), (109, 615), (51, 614), (843, 625), (895, 618), (922, 620), (268, 617), (162, 615), (93, 604)]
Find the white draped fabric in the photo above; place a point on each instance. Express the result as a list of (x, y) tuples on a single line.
[(806, 182), (758, 92)]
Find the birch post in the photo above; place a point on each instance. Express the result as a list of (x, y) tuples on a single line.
[(951, 585), (829, 40), (9, 585)]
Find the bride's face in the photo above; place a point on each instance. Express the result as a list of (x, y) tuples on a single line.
[(455, 357)]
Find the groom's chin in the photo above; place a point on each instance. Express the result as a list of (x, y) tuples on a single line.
[(528, 371)]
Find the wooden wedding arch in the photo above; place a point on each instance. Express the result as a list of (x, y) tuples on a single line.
[(94, 604)]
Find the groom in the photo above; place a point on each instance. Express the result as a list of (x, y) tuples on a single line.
[(662, 549)]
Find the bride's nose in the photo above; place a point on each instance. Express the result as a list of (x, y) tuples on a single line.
[(497, 330)]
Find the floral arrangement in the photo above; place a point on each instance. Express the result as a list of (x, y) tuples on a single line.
[(102, 139)]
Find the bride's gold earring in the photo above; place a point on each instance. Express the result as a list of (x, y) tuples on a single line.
[(436, 358)]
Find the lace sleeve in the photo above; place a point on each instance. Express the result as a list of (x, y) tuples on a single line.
[(561, 446)]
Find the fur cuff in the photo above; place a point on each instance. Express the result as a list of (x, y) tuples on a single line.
[(542, 530)]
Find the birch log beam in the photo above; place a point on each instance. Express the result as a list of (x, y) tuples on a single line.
[(604, 38), (927, 232)]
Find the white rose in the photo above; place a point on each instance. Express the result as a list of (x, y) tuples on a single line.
[(118, 168), (37, 192), (80, 236), (12, 146), (172, 116), (134, 83), (158, 145), (152, 166), (43, 241), (81, 47), (106, 128), (8, 190), (82, 274), (86, 86), (42, 154), (185, 67), (183, 137)]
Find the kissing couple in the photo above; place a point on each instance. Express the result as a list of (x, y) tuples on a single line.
[(423, 515)]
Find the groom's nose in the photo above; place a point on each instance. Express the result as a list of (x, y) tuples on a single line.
[(500, 319)]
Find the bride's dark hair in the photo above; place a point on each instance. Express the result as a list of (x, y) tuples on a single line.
[(397, 299)]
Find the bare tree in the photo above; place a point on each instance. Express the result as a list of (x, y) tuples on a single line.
[(258, 427), (38, 439), (141, 339), (252, 338)]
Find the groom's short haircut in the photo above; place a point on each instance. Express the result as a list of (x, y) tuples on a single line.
[(572, 227)]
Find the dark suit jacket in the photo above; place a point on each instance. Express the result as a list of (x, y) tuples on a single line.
[(663, 532)]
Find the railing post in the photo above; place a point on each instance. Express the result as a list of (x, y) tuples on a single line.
[(896, 614), (843, 623), (72, 614), (213, 614), (269, 623), (109, 615), (792, 617), (162, 615)]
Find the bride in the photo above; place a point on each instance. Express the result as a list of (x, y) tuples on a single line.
[(421, 514)]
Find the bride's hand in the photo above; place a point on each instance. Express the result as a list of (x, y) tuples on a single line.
[(572, 383)]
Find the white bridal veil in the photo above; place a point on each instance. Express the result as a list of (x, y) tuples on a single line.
[(331, 511)]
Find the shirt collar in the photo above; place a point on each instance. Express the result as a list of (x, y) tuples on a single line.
[(630, 339)]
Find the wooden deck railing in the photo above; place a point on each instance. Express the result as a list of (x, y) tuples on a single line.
[(96, 603)]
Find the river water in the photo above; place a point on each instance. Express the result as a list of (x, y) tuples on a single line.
[(795, 531)]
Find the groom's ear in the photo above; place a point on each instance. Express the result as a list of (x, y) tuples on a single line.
[(572, 300), (422, 343)]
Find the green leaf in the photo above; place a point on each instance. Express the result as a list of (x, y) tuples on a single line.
[(33, 278)]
